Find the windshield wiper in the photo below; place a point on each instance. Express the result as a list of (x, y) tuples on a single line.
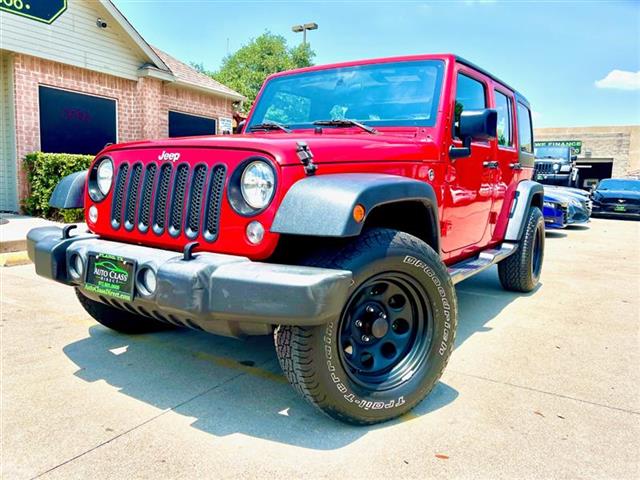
[(269, 126), (345, 123)]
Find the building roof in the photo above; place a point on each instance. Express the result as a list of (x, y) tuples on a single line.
[(187, 75), (166, 67)]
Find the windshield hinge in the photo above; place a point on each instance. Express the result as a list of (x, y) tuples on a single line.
[(306, 157)]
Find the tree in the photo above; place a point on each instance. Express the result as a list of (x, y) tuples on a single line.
[(246, 69)]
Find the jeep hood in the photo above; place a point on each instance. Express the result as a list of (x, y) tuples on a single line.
[(326, 147)]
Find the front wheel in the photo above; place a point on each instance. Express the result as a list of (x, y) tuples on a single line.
[(520, 272), (389, 346)]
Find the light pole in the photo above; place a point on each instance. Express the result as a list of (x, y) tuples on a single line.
[(303, 28)]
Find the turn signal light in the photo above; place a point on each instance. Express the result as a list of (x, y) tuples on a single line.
[(358, 213)]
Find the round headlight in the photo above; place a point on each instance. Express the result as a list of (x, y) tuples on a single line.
[(257, 184), (104, 176)]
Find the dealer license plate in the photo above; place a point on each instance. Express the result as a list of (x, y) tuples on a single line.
[(619, 208), (110, 275)]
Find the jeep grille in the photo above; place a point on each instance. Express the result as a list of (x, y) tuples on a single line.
[(184, 200)]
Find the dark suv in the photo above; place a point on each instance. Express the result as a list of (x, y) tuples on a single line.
[(555, 166)]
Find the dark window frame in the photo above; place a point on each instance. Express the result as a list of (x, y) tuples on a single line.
[(215, 121), (510, 107), (485, 86), (42, 119), (528, 110)]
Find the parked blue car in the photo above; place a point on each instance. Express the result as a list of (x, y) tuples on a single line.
[(564, 207)]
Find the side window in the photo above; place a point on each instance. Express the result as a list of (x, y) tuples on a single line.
[(505, 118), (525, 135), (470, 95)]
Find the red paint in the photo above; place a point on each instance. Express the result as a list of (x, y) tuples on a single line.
[(473, 201)]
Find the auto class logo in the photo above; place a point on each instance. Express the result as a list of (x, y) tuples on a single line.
[(110, 270)]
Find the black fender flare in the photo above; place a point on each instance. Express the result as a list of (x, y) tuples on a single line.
[(527, 193), (323, 205), (69, 193)]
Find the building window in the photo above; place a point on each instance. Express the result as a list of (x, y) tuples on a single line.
[(505, 116), (470, 95), (75, 123), (525, 135), (183, 125)]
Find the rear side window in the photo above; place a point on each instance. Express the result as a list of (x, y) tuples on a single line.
[(470, 95), (525, 135), (504, 108)]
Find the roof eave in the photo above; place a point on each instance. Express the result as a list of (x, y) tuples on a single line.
[(236, 97)]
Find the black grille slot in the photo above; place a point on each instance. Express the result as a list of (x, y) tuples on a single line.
[(147, 191), (214, 200), (195, 200), (132, 196), (118, 194), (177, 202), (162, 193)]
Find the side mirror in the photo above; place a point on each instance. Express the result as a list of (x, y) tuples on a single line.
[(240, 127), (475, 126), (574, 158)]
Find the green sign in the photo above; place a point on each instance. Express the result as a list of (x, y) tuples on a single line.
[(45, 11), (576, 145)]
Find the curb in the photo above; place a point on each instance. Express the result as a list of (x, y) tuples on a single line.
[(10, 246), (12, 259)]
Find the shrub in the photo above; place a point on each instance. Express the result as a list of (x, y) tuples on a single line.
[(44, 171)]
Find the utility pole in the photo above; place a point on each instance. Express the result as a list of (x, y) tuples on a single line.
[(303, 28)]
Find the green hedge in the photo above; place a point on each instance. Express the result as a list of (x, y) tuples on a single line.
[(44, 171)]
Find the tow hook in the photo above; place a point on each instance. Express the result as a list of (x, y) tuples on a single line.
[(187, 253), (306, 157)]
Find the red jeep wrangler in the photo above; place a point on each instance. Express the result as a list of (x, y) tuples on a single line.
[(340, 219)]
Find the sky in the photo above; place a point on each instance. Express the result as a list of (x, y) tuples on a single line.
[(577, 62)]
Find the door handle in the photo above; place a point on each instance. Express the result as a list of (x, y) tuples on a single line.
[(516, 166), (492, 164)]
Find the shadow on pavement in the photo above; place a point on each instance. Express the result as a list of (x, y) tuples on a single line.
[(554, 234), (233, 386)]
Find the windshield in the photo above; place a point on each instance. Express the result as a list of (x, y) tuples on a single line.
[(387, 94), (620, 184), (561, 153)]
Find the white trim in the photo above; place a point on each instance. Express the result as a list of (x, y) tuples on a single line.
[(222, 93), (104, 97), (134, 35)]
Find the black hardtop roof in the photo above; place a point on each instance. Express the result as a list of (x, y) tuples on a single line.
[(518, 95)]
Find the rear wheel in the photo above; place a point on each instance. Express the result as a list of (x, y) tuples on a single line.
[(389, 346), (520, 272), (119, 320)]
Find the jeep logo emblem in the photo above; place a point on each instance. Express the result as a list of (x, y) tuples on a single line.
[(174, 157)]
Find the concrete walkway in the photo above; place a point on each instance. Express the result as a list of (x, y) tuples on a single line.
[(540, 386)]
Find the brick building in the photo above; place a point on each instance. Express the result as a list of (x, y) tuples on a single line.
[(603, 152), (75, 75)]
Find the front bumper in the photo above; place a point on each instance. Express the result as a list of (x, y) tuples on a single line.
[(609, 209), (222, 294), (553, 178)]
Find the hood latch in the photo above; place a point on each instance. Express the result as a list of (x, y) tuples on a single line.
[(306, 157)]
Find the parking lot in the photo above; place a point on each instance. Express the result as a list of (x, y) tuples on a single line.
[(540, 385)]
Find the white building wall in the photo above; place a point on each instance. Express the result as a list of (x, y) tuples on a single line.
[(74, 39), (8, 187)]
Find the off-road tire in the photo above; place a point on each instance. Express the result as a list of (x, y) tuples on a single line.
[(119, 320), (520, 272), (312, 358)]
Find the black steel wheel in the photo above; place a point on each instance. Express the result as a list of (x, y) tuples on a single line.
[(389, 346), (385, 330)]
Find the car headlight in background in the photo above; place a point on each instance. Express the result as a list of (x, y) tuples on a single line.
[(556, 167), (257, 184)]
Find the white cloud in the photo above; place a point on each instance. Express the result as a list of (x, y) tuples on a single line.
[(620, 80)]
